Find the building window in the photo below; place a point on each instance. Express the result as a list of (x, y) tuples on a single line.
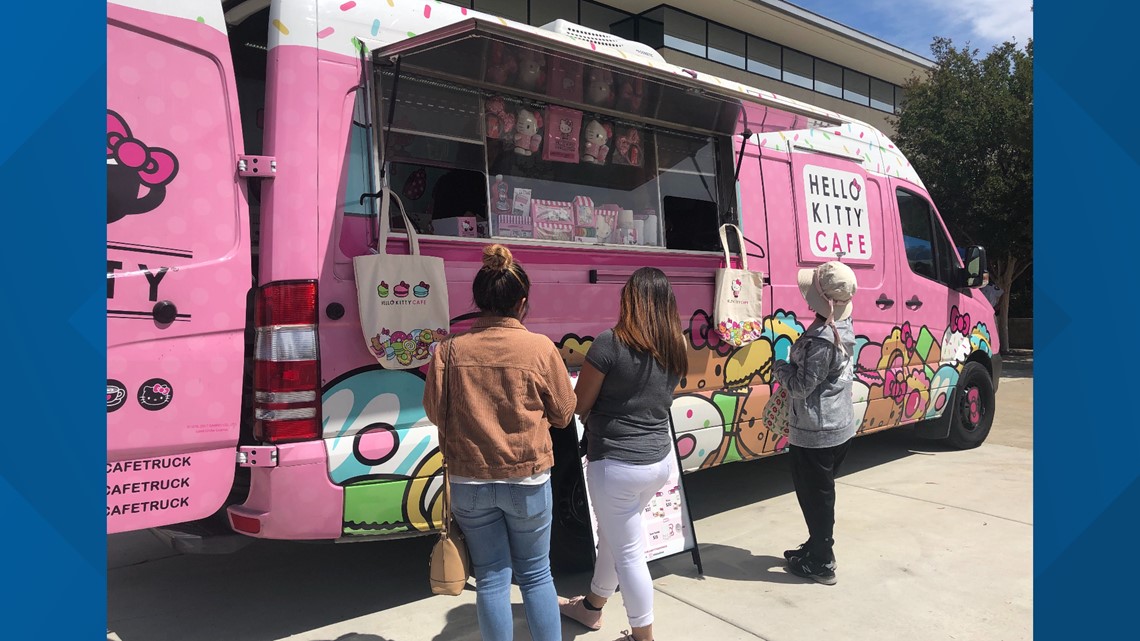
[(670, 28), (547, 11), (856, 87), (900, 98), (828, 78), (763, 57), (685, 33), (597, 16), (798, 69), (882, 95), (726, 46), (510, 9)]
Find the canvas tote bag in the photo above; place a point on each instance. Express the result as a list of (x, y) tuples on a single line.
[(739, 314), (450, 565), (777, 416), (402, 298)]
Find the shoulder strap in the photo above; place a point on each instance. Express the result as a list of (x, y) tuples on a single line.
[(449, 344), (724, 245), (385, 204)]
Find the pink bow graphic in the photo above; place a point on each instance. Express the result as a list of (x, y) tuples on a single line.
[(160, 389), (959, 322), (908, 336), (156, 166), (702, 333), (896, 387)]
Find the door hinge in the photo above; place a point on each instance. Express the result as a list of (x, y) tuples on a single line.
[(257, 456), (257, 166)]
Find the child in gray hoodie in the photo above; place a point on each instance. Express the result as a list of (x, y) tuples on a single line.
[(818, 377)]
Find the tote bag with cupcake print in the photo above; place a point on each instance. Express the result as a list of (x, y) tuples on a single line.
[(403, 298), (739, 313)]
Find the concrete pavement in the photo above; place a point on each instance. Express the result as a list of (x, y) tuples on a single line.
[(932, 544)]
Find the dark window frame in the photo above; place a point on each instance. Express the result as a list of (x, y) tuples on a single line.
[(937, 249)]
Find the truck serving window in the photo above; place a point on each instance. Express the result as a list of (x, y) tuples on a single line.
[(469, 162)]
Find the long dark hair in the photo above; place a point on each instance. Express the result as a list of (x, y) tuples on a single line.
[(500, 284), (649, 321)]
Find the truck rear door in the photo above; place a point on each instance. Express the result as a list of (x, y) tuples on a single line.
[(178, 263)]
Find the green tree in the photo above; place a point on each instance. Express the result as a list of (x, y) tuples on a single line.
[(967, 127)]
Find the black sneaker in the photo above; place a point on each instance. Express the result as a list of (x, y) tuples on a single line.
[(809, 567), (799, 551), (802, 551)]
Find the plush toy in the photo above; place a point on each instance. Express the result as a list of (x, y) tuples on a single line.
[(527, 136), (500, 123), (630, 94), (600, 88), (595, 137), (503, 65), (627, 147), (531, 70)]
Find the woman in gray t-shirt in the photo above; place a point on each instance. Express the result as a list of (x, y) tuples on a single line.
[(624, 393)]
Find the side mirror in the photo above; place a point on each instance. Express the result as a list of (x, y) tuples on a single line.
[(973, 274)]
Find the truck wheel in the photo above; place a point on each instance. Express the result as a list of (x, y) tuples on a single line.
[(571, 536), (974, 410)]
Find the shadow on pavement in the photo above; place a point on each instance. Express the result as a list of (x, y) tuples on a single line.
[(246, 592), (735, 485), (463, 624), (729, 563)]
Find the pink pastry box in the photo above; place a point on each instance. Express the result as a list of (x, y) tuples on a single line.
[(511, 226), (553, 219)]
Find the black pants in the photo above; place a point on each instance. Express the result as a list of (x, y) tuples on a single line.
[(813, 473)]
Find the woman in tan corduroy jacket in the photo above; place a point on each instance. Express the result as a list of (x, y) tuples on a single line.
[(494, 392)]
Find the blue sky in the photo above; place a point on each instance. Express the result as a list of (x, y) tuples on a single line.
[(913, 24)]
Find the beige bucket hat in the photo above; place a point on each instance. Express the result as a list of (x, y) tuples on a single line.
[(828, 289)]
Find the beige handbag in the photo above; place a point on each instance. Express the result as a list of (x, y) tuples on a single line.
[(450, 565), (739, 313)]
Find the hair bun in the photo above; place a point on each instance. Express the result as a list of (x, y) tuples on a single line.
[(497, 258)]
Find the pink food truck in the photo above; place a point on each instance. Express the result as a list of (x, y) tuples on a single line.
[(248, 146)]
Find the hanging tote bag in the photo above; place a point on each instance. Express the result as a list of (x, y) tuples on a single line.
[(739, 313), (402, 298), (777, 416), (450, 566)]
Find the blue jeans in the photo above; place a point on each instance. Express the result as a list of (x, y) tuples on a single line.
[(508, 526)]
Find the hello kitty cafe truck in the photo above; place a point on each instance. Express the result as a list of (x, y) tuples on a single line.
[(245, 145)]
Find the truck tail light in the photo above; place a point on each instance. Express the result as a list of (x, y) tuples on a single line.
[(286, 376)]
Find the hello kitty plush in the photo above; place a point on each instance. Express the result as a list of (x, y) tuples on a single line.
[(596, 136), (531, 70), (600, 88), (527, 138)]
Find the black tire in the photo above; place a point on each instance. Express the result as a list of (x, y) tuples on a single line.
[(973, 411), (571, 536)]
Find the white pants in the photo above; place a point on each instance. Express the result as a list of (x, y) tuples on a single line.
[(619, 492)]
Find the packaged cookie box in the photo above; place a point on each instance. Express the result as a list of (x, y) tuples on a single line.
[(553, 219), (511, 226)]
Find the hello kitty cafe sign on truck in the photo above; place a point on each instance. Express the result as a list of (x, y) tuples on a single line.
[(836, 213)]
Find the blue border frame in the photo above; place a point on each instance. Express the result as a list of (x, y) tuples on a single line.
[(54, 449), (1087, 494)]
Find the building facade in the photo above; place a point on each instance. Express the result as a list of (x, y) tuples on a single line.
[(768, 44)]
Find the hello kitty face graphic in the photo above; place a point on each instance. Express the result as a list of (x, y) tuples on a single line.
[(155, 394), (565, 126)]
